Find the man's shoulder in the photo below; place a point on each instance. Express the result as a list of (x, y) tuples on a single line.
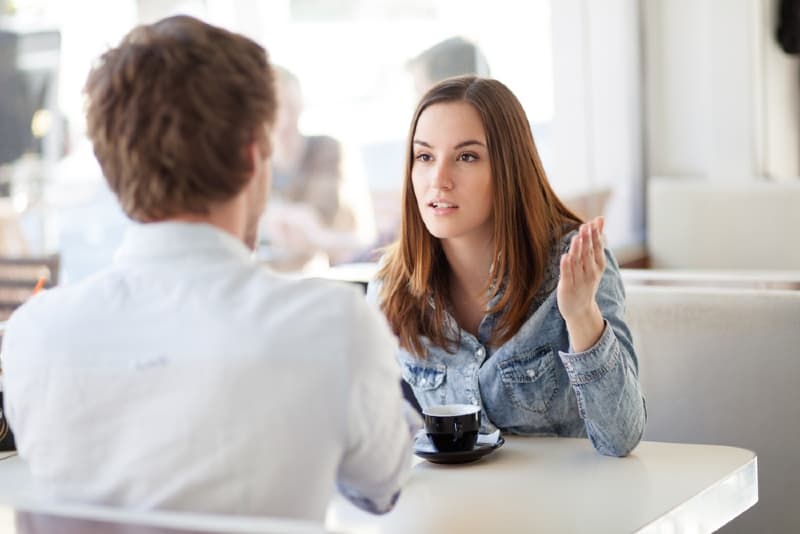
[(56, 299), (34, 324), (330, 316), (319, 292)]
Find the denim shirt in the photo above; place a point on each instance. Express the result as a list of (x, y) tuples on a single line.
[(534, 384)]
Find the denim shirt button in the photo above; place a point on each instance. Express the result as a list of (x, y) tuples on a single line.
[(531, 373), (480, 352)]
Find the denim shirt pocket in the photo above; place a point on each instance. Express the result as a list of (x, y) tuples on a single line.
[(529, 378), (427, 382)]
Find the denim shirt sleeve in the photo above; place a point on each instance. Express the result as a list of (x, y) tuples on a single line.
[(605, 377)]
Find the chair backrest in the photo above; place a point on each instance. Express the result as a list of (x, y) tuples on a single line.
[(30, 267), (758, 279), (42, 514), (720, 366), (728, 224), (588, 204)]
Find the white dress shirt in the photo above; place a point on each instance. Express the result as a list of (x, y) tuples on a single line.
[(188, 377)]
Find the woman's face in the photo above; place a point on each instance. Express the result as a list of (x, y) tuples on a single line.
[(451, 172)]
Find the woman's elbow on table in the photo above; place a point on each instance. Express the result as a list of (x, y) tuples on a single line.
[(624, 440)]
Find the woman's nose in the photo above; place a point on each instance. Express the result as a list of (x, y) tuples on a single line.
[(442, 177)]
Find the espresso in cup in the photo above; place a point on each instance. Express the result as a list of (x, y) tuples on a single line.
[(453, 427)]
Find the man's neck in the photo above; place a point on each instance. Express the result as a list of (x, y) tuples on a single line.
[(227, 216)]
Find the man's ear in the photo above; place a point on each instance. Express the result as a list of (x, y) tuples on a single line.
[(256, 158), (261, 177), (261, 149), (259, 156)]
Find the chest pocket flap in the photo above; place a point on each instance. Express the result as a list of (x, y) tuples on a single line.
[(424, 377), (530, 378)]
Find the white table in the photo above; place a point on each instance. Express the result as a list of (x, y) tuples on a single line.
[(549, 485), (557, 485)]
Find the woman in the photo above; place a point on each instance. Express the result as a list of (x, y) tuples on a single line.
[(498, 294)]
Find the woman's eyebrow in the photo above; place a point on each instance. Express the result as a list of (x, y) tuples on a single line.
[(468, 142), (462, 144)]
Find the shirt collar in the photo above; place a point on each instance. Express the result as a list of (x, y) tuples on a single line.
[(170, 240)]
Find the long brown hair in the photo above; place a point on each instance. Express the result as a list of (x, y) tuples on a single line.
[(529, 220)]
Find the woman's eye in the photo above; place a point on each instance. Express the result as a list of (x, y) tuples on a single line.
[(422, 157), (467, 157)]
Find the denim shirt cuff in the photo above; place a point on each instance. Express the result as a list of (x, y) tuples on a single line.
[(367, 504), (593, 363)]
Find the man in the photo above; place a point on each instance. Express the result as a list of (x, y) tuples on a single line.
[(454, 56), (186, 376)]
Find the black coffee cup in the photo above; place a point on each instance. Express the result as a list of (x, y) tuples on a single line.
[(453, 427)]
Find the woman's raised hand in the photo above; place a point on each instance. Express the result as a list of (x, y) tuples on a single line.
[(581, 269)]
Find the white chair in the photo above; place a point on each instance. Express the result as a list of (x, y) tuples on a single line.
[(46, 516), (730, 224), (728, 278)]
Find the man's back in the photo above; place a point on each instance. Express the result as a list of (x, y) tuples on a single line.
[(187, 377)]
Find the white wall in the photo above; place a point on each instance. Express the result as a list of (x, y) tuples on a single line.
[(721, 98), (597, 126)]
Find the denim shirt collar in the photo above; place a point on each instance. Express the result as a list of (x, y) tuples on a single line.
[(487, 324)]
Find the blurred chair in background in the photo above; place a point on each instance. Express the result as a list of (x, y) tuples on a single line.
[(19, 276), (588, 204)]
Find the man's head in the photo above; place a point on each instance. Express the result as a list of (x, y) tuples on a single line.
[(455, 56), (180, 115)]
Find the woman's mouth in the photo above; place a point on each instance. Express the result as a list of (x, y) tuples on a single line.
[(440, 207)]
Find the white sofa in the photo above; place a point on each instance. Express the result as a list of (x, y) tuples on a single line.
[(722, 366), (731, 279), (703, 224)]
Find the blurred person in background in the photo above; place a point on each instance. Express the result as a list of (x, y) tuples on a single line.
[(455, 56), (319, 211)]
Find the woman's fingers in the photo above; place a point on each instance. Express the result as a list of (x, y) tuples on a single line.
[(585, 259), (597, 242), (566, 270), (590, 241), (586, 251)]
